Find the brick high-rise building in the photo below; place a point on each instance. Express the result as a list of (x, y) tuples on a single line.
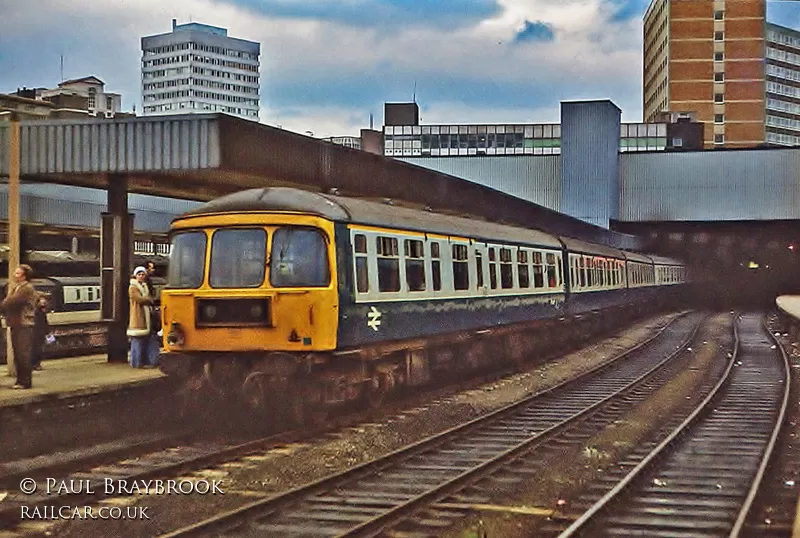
[(708, 57)]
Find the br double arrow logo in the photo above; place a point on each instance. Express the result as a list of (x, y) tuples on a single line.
[(373, 318)]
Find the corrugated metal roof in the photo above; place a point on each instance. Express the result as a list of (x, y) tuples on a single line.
[(710, 185), (57, 211), (152, 144), (533, 178)]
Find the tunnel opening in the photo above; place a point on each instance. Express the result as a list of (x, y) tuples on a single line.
[(741, 264)]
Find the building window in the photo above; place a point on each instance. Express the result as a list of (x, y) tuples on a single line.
[(719, 118), (719, 138), (718, 36), (719, 77), (719, 98), (677, 142), (719, 56), (719, 15)]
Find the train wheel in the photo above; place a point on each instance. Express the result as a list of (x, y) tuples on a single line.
[(254, 391), (374, 393), (303, 412)]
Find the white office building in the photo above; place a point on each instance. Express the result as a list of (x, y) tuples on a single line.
[(198, 68)]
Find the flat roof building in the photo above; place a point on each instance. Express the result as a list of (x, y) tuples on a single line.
[(669, 132), (198, 68)]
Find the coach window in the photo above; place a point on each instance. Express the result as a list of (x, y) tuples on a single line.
[(572, 270), (538, 270), (436, 267), (522, 269), (388, 264), (493, 268), (552, 278), (582, 271), (479, 268), (415, 264), (506, 269), (460, 267), (362, 270), (558, 267)]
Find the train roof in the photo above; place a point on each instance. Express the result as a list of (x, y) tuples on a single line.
[(358, 211), (636, 257), (662, 260), (576, 245)]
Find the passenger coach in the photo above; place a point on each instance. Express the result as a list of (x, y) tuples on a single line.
[(283, 295)]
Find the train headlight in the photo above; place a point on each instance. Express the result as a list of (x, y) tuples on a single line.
[(256, 311), (210, 312), (175, 337)]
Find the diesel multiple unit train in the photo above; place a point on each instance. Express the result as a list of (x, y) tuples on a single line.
[(292, 301)]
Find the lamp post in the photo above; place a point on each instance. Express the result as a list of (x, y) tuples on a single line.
[(14, 150)]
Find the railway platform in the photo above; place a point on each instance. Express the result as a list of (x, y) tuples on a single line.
[(61, 379)]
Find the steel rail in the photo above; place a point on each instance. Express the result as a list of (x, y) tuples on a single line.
[(377, 523), (671, 442)]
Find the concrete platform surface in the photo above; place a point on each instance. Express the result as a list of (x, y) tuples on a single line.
[(789, 304), (79, 376)]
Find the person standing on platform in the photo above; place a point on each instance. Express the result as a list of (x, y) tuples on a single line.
[(18, 308), (155, 315), (41, 329), (151, 271), (139, 325)]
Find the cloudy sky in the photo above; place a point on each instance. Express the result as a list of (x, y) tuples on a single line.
[(327, 64)]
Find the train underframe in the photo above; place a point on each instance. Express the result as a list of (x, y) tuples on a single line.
[(302, 388)]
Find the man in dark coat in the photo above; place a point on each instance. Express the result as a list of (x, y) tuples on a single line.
[(18, 307)]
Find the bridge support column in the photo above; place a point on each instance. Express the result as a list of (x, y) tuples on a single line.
[(116, 248)]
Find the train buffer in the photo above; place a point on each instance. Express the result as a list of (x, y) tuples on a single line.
[(76, 377)]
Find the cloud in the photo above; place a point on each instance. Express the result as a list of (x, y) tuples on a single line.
[(325, 66), (534, 31), (446, 14)]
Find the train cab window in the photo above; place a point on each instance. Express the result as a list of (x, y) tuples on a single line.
[(299, 258), (506, 269), (552, 277), (237, 258), (388, 264), (538, 270), (460, 267), (479, 268), (436, 267), (415, 264), (362, 265), (187, 260), (522, 269), (493, 268)]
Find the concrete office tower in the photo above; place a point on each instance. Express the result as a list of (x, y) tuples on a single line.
[(783, 86), (707, 57), (198, 68)]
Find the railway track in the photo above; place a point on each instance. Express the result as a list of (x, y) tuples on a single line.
[(370, 498), (702, 479), (152, 458)]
